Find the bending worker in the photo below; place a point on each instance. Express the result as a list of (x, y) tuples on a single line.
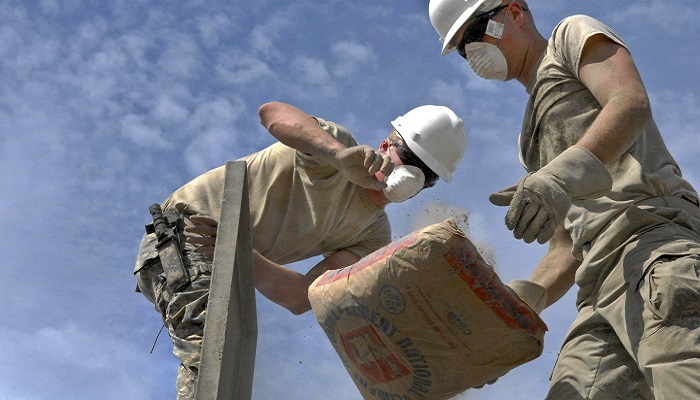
[(603, 190), (316, 192)]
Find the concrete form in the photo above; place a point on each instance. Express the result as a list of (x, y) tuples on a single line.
[(230, 330)]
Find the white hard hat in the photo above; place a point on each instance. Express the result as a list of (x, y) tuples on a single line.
[(436, 135), (447, 16)]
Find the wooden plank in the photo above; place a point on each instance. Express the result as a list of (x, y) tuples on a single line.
[(230, 330)]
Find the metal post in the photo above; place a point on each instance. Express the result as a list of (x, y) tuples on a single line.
[(230, 330)]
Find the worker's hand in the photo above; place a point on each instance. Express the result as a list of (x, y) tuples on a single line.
[(532, 215), (539, 202), (202, 234), (360, 163)]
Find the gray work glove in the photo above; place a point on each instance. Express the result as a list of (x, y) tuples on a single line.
[(531, 293), (540, 200), (360, 163)]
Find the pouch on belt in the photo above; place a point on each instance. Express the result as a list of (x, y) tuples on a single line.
[(169, 251)]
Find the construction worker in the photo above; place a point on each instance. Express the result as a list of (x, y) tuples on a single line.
[(316, 192), (603, 190)]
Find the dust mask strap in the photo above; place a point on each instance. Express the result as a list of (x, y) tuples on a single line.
[(404, 182)]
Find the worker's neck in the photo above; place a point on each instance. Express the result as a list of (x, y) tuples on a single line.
[(378, 198), (533, 58)]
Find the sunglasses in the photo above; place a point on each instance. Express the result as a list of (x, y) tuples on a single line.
[(477, 29), (406, 155)]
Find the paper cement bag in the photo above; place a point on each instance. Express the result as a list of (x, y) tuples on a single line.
[(424, 318)]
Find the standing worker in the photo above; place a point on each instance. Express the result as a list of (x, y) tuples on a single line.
[(604, 191), (317, 192)]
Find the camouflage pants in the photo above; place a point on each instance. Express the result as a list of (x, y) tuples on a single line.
[(183, 313)]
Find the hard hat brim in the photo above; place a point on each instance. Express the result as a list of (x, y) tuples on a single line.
[(448, 43), (424, 156)]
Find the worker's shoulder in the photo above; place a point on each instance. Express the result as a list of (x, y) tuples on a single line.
[(581, 27), (577, 19), (573, 32)]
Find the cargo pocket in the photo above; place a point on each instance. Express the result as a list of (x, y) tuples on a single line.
[(671, 290), (147, 255)]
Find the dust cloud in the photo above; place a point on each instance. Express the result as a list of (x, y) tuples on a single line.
[(438, 211)]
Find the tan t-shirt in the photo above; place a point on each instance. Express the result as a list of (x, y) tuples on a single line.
[(299, 206), (558, 114)]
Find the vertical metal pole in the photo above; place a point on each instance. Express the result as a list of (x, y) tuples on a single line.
[(230, 330)]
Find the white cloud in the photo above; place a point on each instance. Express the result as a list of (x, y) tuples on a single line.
[(352, 56), (169, 110), (50, 7), (671, 17), (263, 35), (218, 112), (311, 70), (70, 362), (450, 94), (677, 114), (238, 68), (213, 132), (10, 41), (475, 84), (89, 33), (213, 27), (311, 77), (208, 150), (138, 130), (181, 59)]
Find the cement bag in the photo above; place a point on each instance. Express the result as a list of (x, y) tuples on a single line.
[(424, 318)]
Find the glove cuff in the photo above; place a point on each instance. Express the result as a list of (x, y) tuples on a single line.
[(532, 294), (583, 174)]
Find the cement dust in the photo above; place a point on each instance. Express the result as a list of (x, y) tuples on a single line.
[(438, 211)]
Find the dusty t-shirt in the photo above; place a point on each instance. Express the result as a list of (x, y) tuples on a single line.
[(558, 114), (300, 207)]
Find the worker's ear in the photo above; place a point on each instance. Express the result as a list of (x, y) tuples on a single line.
[(516, 12)]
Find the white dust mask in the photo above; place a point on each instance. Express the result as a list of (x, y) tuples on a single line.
[(487, 60), (404, 182)]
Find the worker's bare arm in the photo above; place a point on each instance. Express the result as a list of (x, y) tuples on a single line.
[(289, 288), (298, 130), (556, 271), (608, 71)]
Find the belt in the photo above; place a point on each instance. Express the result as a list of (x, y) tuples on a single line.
[(680, 203), (673, 202)]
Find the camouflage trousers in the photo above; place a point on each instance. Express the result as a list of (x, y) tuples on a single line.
[(183, 313)]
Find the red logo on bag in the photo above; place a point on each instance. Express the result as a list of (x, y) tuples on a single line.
[(481, 279), (371, 357)]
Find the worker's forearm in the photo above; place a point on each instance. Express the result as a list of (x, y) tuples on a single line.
[(557, 269), (298, 130), (616, 129), (282, 286), (557, 280)]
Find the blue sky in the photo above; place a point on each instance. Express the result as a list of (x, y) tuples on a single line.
[(107, 107)]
